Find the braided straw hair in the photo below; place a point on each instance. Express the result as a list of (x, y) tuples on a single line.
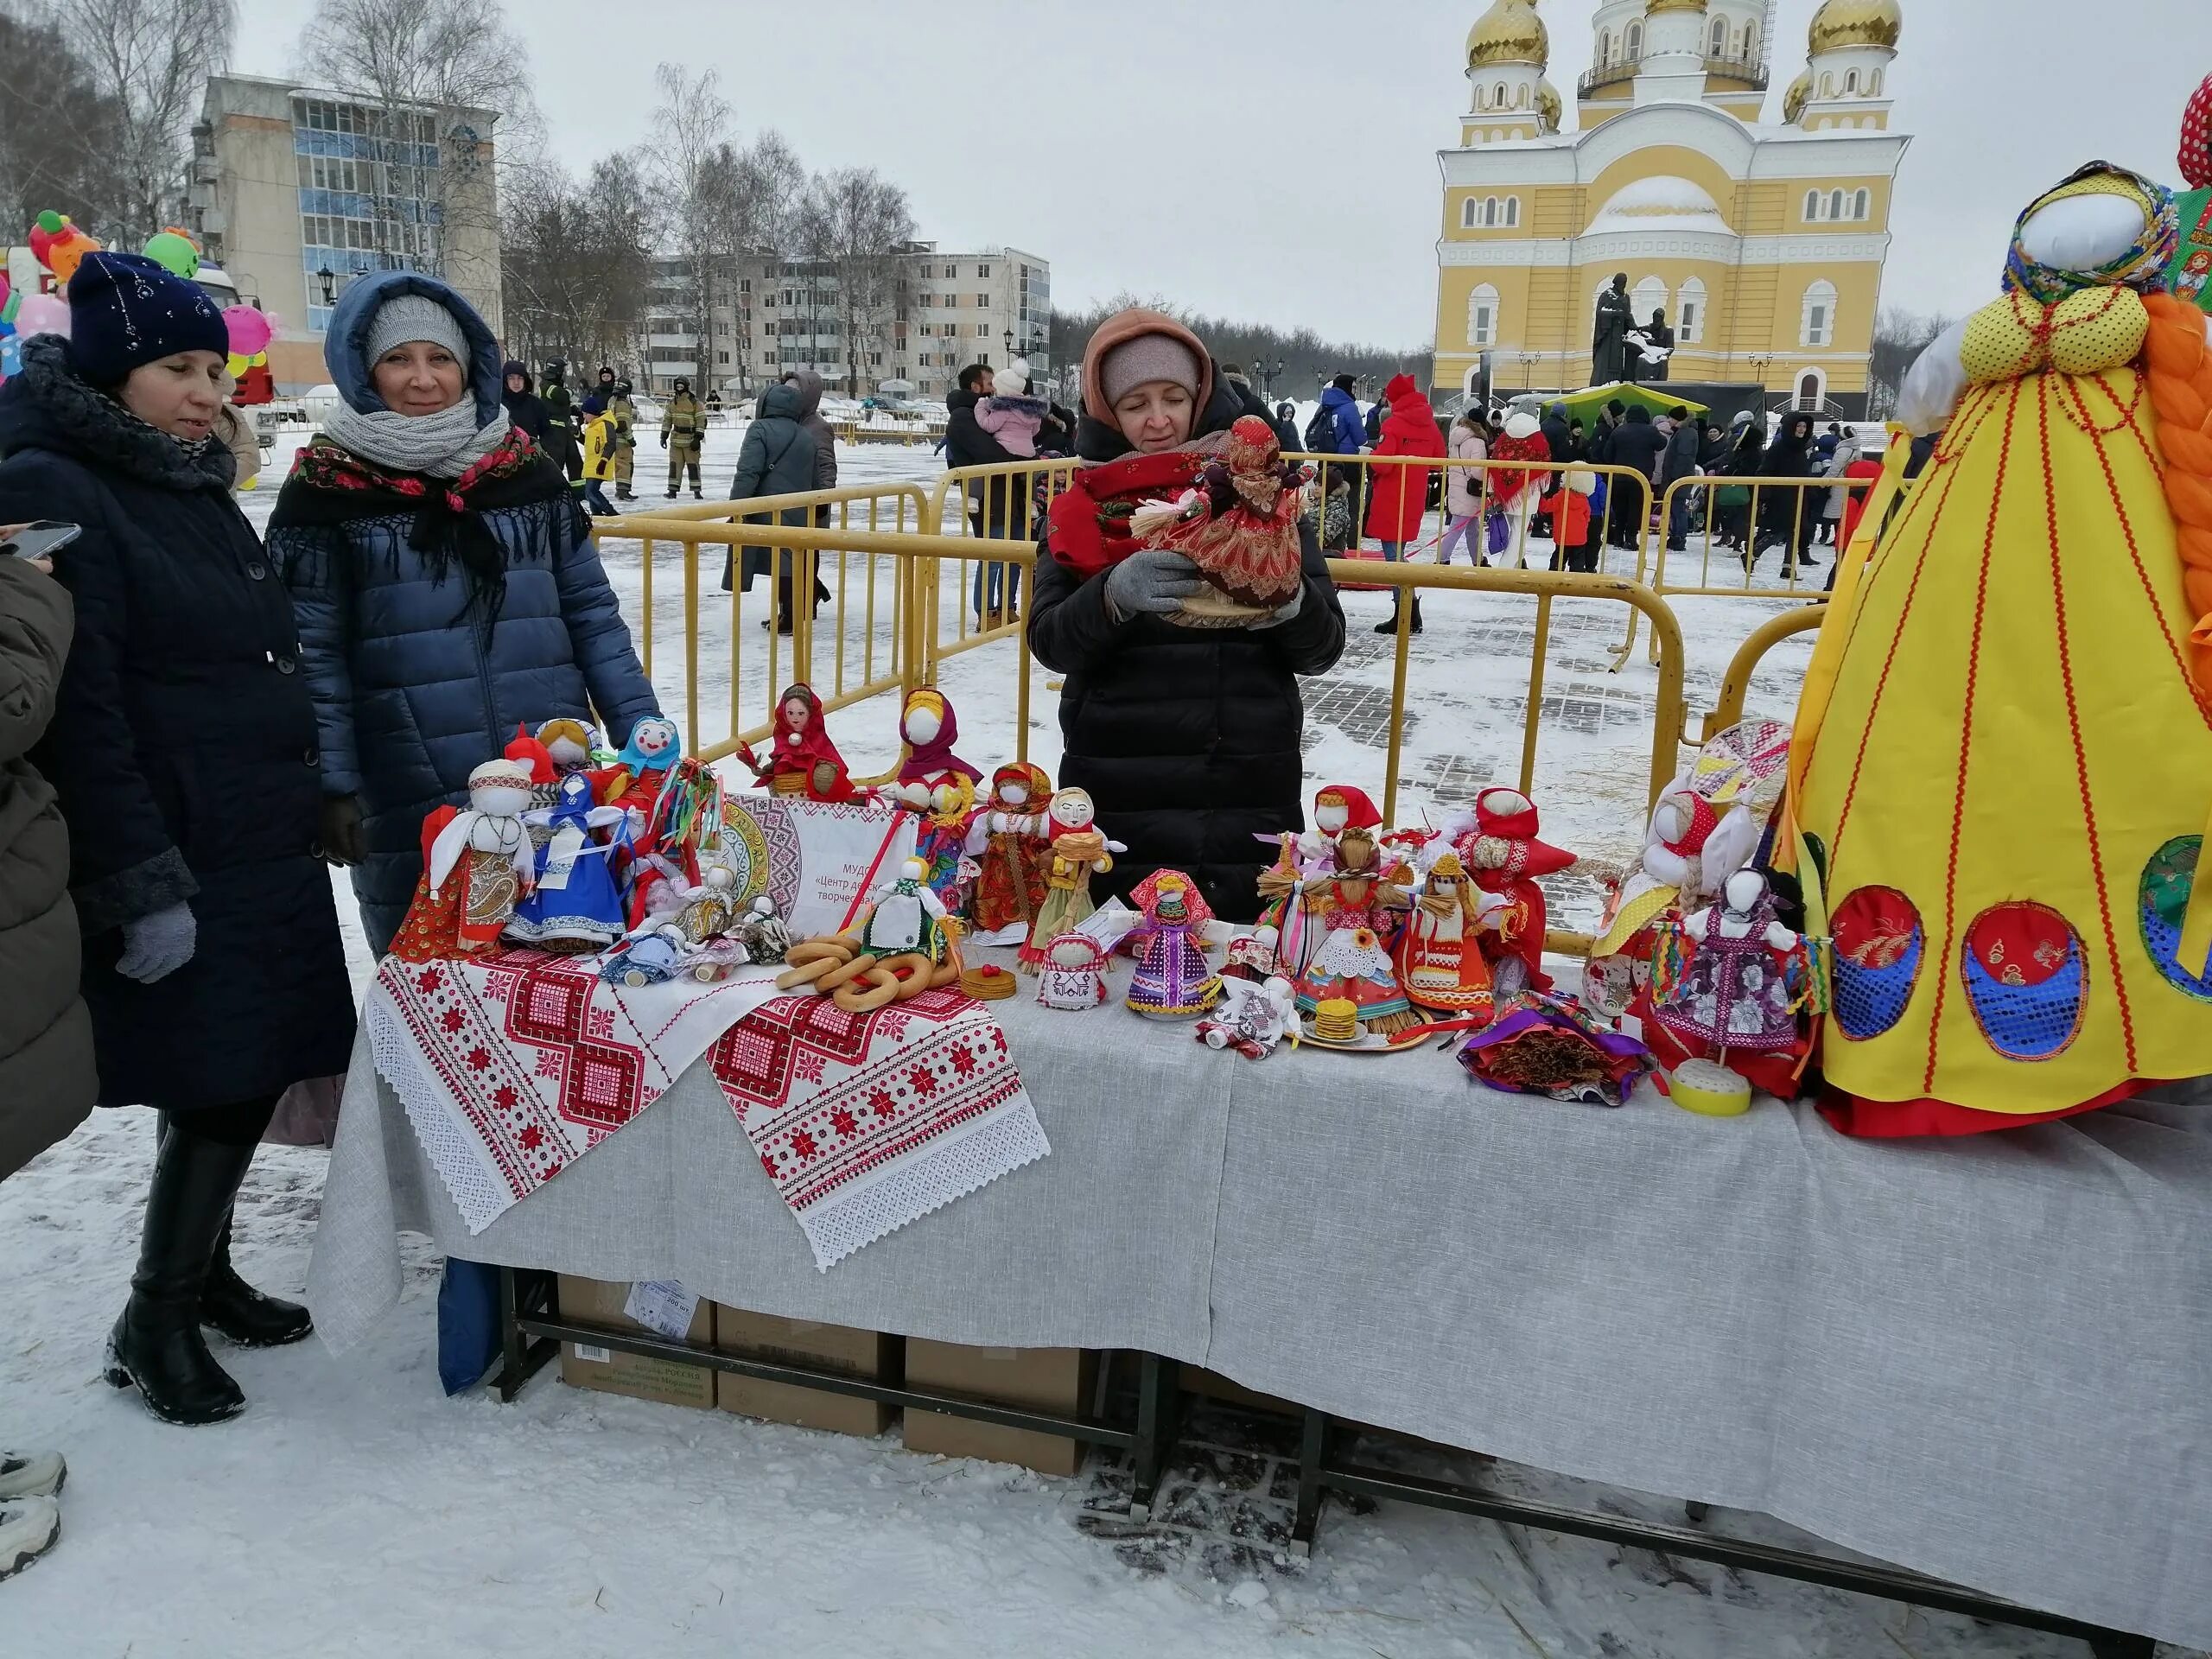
[(2181, 391)]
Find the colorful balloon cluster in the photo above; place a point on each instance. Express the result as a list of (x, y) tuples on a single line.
[(251, 331)]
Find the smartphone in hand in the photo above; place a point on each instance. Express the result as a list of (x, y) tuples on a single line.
[(40, 539)]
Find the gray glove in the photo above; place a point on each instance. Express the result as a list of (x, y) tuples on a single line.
[(1151, 583), (1284, 612), (157, 946)]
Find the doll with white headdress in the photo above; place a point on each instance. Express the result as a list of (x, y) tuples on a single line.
[(477, 863)]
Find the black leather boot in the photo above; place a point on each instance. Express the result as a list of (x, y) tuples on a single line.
[(247, 1317), (155, 1345)]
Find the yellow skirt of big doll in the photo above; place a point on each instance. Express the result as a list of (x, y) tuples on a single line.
[(2011, 777)]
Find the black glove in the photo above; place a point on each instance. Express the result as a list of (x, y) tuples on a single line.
[(664, 437), (342, 842)]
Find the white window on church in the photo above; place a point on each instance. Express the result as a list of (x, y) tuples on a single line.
[(1827, 85), (1813, 200), (1604, 48), (1816, 322), (1470, 210), (1647, 296), (1633, 42), (1512, 211), (1862, 205), (1690, 313), (1482, 316), (1835, 204), (1720, 37), (1751, 43), (1851, 80)]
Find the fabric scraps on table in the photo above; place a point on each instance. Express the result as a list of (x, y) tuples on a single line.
[(866, 1121)]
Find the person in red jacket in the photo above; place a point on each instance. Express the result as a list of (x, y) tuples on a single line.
[(1398, 499)]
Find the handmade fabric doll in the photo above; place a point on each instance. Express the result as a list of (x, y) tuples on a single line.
[(1007, 841), (569, 744), (802, 760), (1348, 910), (1171, 981), (907, 917), (1079, 851), (1238, 524), (575, 906), (1071, 973), (929, 728), (941, 842), (475, 864), (1440, 957), (525, 751), (1735, 990), (636, 775), (768, 938), (2006, 730), (2190, 272), (1542, 1044), (1254, 1016), (1499, 848)]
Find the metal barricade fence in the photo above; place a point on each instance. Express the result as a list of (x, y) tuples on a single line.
[(870, 643), (1736, 684), (1780, 513)]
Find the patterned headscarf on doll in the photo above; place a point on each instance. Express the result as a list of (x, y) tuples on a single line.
[(2140, 266), (932, 755), (2195, 158)]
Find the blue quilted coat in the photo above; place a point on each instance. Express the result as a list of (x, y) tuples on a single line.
[(417, 678)]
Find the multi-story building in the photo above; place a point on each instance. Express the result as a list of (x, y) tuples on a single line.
[(1764, 244), (931, 314), (295, 192)]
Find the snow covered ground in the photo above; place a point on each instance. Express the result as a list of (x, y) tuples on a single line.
[(355, 1510)]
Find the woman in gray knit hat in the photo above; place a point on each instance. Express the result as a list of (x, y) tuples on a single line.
[(446, 582)]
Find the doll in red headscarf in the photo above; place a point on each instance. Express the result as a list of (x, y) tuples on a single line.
[(1499, 848), (802, 760), (1009, 839)]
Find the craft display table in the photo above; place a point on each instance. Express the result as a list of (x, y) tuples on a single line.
[(1986, 1360)]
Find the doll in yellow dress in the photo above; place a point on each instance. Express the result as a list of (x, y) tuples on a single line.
[(2002, 767)]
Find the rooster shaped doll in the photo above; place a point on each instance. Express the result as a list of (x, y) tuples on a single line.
[(1232, 514)]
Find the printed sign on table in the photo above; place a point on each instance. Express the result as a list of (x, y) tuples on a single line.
[(816, 860)]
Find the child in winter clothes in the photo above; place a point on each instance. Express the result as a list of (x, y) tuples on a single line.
[(1463, 491), (600, 437), (1010, 415)]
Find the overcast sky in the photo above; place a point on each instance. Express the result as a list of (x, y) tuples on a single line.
[(1276, 159)]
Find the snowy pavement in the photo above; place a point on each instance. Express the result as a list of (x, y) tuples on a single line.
[(353, 1509)]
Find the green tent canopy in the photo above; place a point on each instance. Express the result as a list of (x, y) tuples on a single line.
[(1585, 404)]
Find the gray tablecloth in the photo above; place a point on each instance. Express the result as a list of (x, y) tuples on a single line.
[(1989, 1360)]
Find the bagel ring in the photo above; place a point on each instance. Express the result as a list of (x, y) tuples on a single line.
[(880, 988), (913, 970), (845, 973), (948, 973), (792, 979), (818, 951)]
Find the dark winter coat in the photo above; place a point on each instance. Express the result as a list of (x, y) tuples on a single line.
[(1559, 436), (1188, 739), (1347, 433), (184, 750), (1397, 497), (47, 1078), (416, 679), (778, 458), (522, 407), (825, 437), (998, 506), (1639, 444), (1681, 457)]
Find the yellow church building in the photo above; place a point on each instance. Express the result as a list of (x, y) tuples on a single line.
[(1762, 245)]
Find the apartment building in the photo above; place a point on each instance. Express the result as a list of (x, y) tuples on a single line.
[(933, 312), (295, 192)]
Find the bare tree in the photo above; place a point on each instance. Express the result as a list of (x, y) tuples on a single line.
[(855, 222), (690, 171), (761, 189), (420, 68), (577, 260), (50, 115), (1900, 338), (149, 60)]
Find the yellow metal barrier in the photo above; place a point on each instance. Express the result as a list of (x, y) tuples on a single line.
[(1737, 682), (872, 645), (1748, 525)]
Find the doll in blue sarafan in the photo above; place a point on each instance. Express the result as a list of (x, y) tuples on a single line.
[(577, 906)]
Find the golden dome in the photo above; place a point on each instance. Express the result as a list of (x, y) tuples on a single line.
[(1653, 8), (1856, 22), (1793, 101), (1509, 32), (1548, 106)]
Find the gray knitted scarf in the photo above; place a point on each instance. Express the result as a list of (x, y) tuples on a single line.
[(443, 445)]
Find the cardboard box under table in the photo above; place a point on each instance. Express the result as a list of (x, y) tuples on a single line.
[(840, 1348), (598, 1303), (1057, 1380)]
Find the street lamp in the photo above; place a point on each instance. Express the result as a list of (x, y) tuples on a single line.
[(1008, 337), (329, 280)]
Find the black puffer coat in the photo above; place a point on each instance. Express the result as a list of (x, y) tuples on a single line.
[(183, 747), (1188, 739)]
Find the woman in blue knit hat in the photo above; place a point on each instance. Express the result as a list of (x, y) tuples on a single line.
[(447, 586), (184, 750)]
